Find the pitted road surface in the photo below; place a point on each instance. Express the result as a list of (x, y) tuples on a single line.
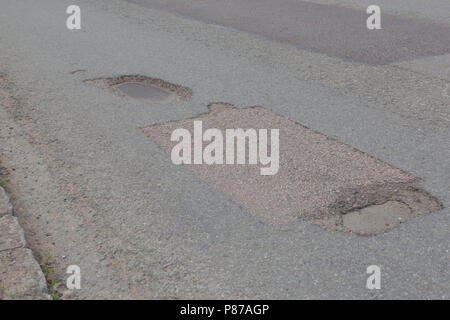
[(90, 188)]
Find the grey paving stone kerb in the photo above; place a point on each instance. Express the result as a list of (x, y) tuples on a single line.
[(20, 274), (21, 277), (5, 205), (11, 234)]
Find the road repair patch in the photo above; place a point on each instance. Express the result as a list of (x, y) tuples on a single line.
[(143, 88), (319, 179)]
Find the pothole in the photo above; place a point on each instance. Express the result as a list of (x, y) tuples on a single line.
[(140, 91), (377, 218), (382, 216), (143, 88)]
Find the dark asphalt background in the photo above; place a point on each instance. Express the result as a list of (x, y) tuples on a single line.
[(328, 29)]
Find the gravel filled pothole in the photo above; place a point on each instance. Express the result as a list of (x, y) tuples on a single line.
[(320, 179), (143, 88)]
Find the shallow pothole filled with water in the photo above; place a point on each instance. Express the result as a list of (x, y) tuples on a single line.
[(144, 92), (143, 88), (376, 218)]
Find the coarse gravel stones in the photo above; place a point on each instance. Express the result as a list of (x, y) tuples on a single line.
[(319, 180), (20, 274), (143, 88)]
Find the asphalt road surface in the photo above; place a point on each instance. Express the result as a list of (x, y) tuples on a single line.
[(92, 189), (333, 30)]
